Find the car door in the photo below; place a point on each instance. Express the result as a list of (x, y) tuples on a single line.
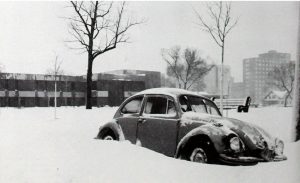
[(128, 117), (158, 125)]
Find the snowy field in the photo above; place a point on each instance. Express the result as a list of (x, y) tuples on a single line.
[(35, 148)]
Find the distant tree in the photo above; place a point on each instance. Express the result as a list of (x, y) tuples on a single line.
[(296, 111), (98, 27), (187, 68), (2, 76), (168, 82), (218, 24), (55, 71), (199, 86), (282, 77), (1, 68)]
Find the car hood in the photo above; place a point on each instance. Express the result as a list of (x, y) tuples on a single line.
[(252, 135)]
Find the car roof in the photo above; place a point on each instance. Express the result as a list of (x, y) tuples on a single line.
[(174, 92)]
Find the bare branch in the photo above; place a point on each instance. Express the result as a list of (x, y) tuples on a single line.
[(188, 70), (77, 10), (222, 21), (96, 22), (208, 29)]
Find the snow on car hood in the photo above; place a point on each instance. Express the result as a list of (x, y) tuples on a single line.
[(245, 130)]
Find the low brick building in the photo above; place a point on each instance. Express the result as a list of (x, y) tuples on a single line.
[(29, 90)]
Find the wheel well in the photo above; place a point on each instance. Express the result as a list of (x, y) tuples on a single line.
[(107, 131), (202, 140)]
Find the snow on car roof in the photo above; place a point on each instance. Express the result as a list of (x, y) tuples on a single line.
[(167, 91)]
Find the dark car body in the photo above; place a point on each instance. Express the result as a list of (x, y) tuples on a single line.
[(184, 125)]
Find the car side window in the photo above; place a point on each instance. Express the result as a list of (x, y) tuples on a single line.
[(156, 105), (133, 106), (171, 108), (160, 106)]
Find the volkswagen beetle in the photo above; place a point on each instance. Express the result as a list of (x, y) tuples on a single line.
[(184, 125)]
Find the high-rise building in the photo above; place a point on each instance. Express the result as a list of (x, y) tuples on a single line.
[(255, 73)]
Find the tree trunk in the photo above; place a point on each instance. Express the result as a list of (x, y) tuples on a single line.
[(89, 83), (179, 85), (285, 100), (222, 77), (184, 86)]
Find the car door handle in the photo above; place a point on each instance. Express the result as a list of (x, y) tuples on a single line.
[(142, 120)]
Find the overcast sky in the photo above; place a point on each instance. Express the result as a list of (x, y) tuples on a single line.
[(31, 33)]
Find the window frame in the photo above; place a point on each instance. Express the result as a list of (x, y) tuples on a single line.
[(169, 98), (204, 101), (128, 101)]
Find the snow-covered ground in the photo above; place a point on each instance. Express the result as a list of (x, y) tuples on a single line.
[(36, 148)]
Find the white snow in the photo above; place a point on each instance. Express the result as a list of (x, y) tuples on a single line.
[(280, 94), (36, 148), (275, 120), (166, 91)]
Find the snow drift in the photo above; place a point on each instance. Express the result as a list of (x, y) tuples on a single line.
[(36, 148)]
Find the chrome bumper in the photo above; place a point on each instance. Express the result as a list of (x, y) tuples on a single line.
[(241, 160), (280, 158), (246, 160)]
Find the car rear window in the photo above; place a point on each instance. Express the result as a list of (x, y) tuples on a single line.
[(197, 104)]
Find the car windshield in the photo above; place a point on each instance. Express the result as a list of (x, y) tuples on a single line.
[(198, 104)]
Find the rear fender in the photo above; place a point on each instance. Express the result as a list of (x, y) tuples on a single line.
[(215, 134), (115, 127)]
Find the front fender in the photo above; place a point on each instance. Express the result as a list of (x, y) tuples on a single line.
[(115, 127), (214, 133)]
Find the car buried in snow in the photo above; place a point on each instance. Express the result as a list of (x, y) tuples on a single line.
[(184, 125)]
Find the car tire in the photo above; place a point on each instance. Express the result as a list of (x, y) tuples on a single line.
[(108, 137), (107, 134), (200, 153)]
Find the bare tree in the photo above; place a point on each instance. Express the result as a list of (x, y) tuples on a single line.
[(218, 24), (1, 70), (187, 68), (55, 71), (282, 77), (98, 27)]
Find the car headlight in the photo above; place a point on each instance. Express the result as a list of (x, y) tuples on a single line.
[(279, 146), (235, 144)]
